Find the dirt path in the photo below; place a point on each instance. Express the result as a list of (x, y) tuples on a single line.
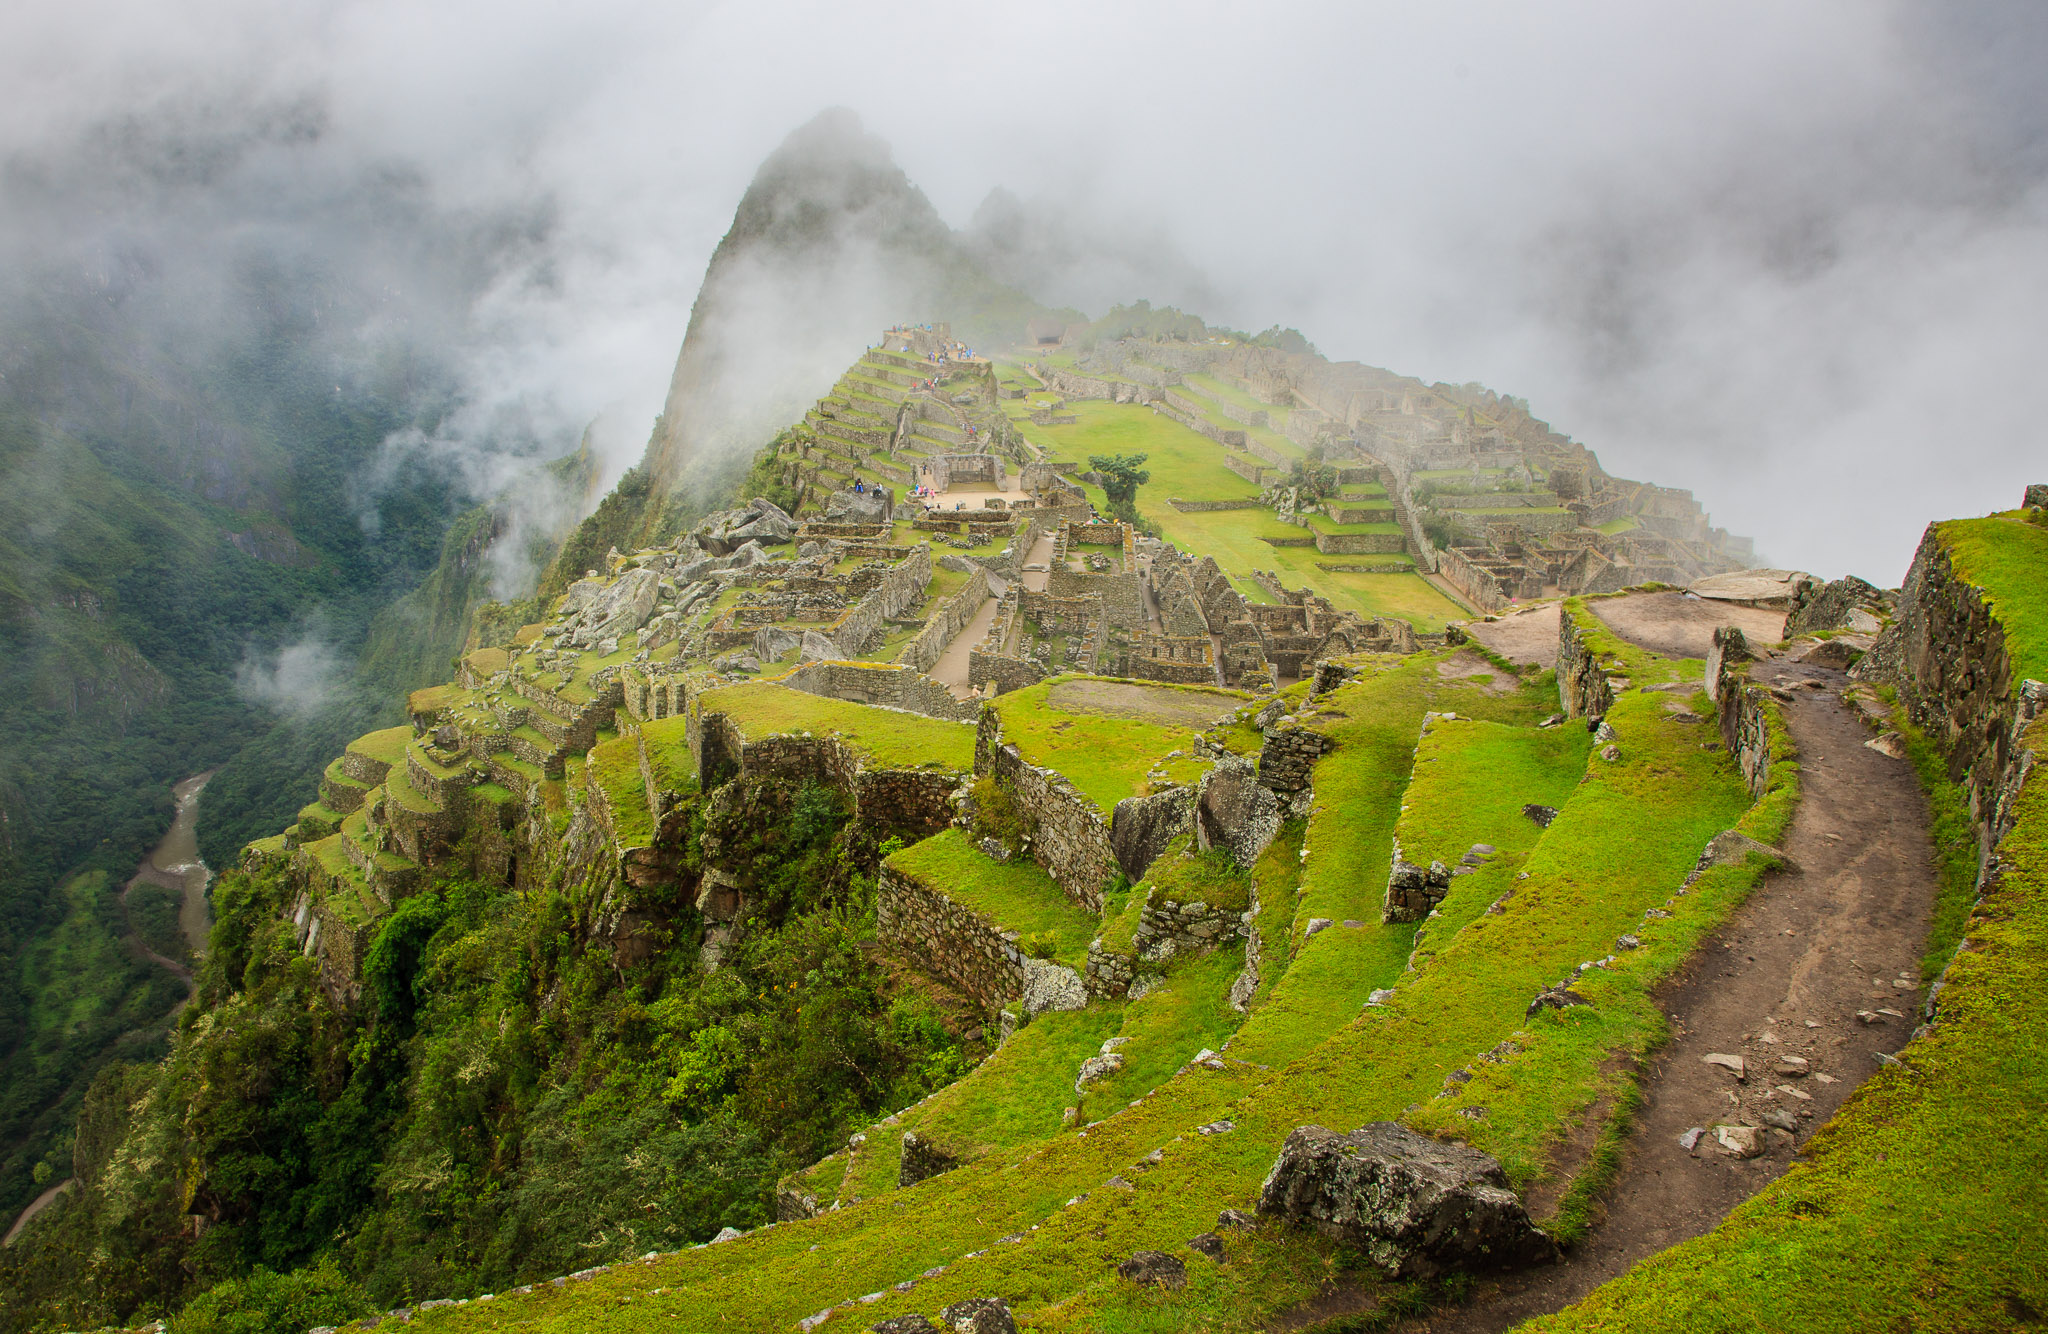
[(1679, 625), (1521, 637), (1785, 977), (1040, 554), (951, 668), (36, 1206)]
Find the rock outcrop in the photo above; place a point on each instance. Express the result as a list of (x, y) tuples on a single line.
[(1416, 1206), (1234, 812)]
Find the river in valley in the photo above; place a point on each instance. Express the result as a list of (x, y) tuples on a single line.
[(175, 864)]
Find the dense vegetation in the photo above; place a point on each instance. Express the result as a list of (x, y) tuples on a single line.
[(509, 1102), (174, 508)]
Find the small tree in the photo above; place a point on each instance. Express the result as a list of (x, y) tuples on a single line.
[(1122, 475)]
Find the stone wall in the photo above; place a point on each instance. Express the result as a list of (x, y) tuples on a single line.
[(903, 586), (1944, 652), (884, 685), (1289, 756), (999, 674), (1071, 840), (1478, 586), (946, 621), (1360, 544), (1123, 595), (910, 801), (948, 939), (1070, 384), (1582, 687)]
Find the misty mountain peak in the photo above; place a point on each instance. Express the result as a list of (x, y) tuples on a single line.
[(830, 173)]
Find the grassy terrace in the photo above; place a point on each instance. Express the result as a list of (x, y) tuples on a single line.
[(667, 743), (1188, 466), (1471, 780), (2007, 558), (1627, 836), (1105, 755), (1918, 1206), (888, 739), (387, 745), (1361, 785), (615, 768), (1015, 895)]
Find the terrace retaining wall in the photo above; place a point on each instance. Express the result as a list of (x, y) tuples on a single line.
[(948, 939), (1070, 837)]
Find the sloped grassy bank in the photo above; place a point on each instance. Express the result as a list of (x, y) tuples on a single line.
[(1043, 1223)]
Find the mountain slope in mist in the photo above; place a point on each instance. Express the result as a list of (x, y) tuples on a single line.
[(830, 243)]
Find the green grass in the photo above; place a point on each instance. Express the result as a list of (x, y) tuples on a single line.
[(1626, 523), (1014, 1098), (1471, 780), (1626, 839), (888, 739), (1186, 874), (615, 767), (388, 745), (668, 753), (2007, 558), (1104, 756), (1360, 786), (398, 788), (1015, 894)]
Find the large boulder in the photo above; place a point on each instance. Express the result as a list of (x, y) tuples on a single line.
[(1817, 606), (1052, 986), (1141, 827), (1415, 1206), (1234, 812), (772, 641), (816, 646), (872, 506), (622, 607)]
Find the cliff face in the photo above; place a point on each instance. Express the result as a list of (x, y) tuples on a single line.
[(831, 242)]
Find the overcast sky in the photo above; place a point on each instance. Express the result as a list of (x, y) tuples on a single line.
[(1791, 256)]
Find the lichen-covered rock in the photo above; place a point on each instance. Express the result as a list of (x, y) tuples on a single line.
[(1052, 986), (818, 647), (1154, 1269), (1141, 827), (979, 1315), (871, 506), (1416, 1206), (904, 1324), (1233, 811), (793, 1205), (1817, 606)]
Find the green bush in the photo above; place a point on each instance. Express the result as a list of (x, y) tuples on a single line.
[(265, 1302)]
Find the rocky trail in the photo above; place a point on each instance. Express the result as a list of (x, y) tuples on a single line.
[(1782, 1013)]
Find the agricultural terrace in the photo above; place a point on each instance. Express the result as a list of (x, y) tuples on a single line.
[(1108, 738), (1016, 895), (1189, 466), (886, 738)]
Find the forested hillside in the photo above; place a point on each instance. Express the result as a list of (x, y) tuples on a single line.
[(177, 504)]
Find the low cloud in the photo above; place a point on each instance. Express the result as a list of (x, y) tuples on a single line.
[(298, 679), (1789, 256)]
